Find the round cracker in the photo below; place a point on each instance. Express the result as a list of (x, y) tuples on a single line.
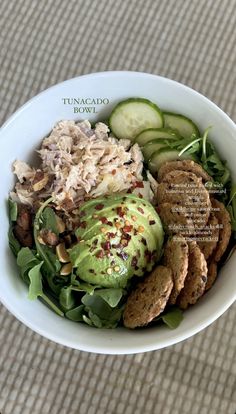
[(225, 230), (165, 193), (175, 219), (186, 189), (211, 275), (176, 258), (196, 279), (184, 165), (208, 246), (149, 298)]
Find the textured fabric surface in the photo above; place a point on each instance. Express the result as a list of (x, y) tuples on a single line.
[(42, 43)]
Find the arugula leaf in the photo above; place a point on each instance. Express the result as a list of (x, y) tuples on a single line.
[(190, 147), (87, 320), (172, 318), (97, 308), (76, 314), (30, 271), (25, 257), (48, 220), (45, 252), (112, 296), (51, 265), (231, 207), (79, 286), (35, 286), (13, 242), (26, 260), (67, 298), (13, 210), (94, 319)]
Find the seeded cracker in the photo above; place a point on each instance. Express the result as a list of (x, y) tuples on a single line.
[(196, 279), (208, 246), (223, 218), (187, 190), (185, 165), (149, 298), (175, 219), (176, 258), (211, 275)]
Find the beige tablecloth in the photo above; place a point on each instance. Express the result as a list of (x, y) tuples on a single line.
[(42, 43)]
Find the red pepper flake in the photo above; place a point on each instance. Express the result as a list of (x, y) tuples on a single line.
[(143, 240), (140, 210), (99, 254), (151, 222), (103, 220), (82, 213), (111, 235), (120, 211), (99, 206), (106, 245), (138, 184), (109, 223), (129, 191), (127, 229), (113, 172), (126, 236)]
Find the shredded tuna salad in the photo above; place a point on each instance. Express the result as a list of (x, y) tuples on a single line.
[(78, 163)]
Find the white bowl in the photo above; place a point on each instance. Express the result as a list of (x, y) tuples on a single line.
[(22, 134)]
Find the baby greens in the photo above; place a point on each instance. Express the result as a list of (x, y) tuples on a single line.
[(204, 153), (78, 301)]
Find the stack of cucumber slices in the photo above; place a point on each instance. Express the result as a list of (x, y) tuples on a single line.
[(161, 135)]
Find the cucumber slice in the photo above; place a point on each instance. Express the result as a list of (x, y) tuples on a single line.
[(132, 116), (153, 146), (181, 123), (152, 133), (162, 155)]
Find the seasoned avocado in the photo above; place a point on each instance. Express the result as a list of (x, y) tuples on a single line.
[(119, 237)]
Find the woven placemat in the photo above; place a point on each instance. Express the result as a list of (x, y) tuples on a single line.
[(45, 42)]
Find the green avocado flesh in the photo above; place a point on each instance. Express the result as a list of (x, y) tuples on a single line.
[(119, 236)]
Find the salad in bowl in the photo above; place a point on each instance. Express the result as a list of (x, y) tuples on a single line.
[(124, 222), (121, 215)]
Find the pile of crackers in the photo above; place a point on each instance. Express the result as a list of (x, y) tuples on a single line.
[(198, 230)]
